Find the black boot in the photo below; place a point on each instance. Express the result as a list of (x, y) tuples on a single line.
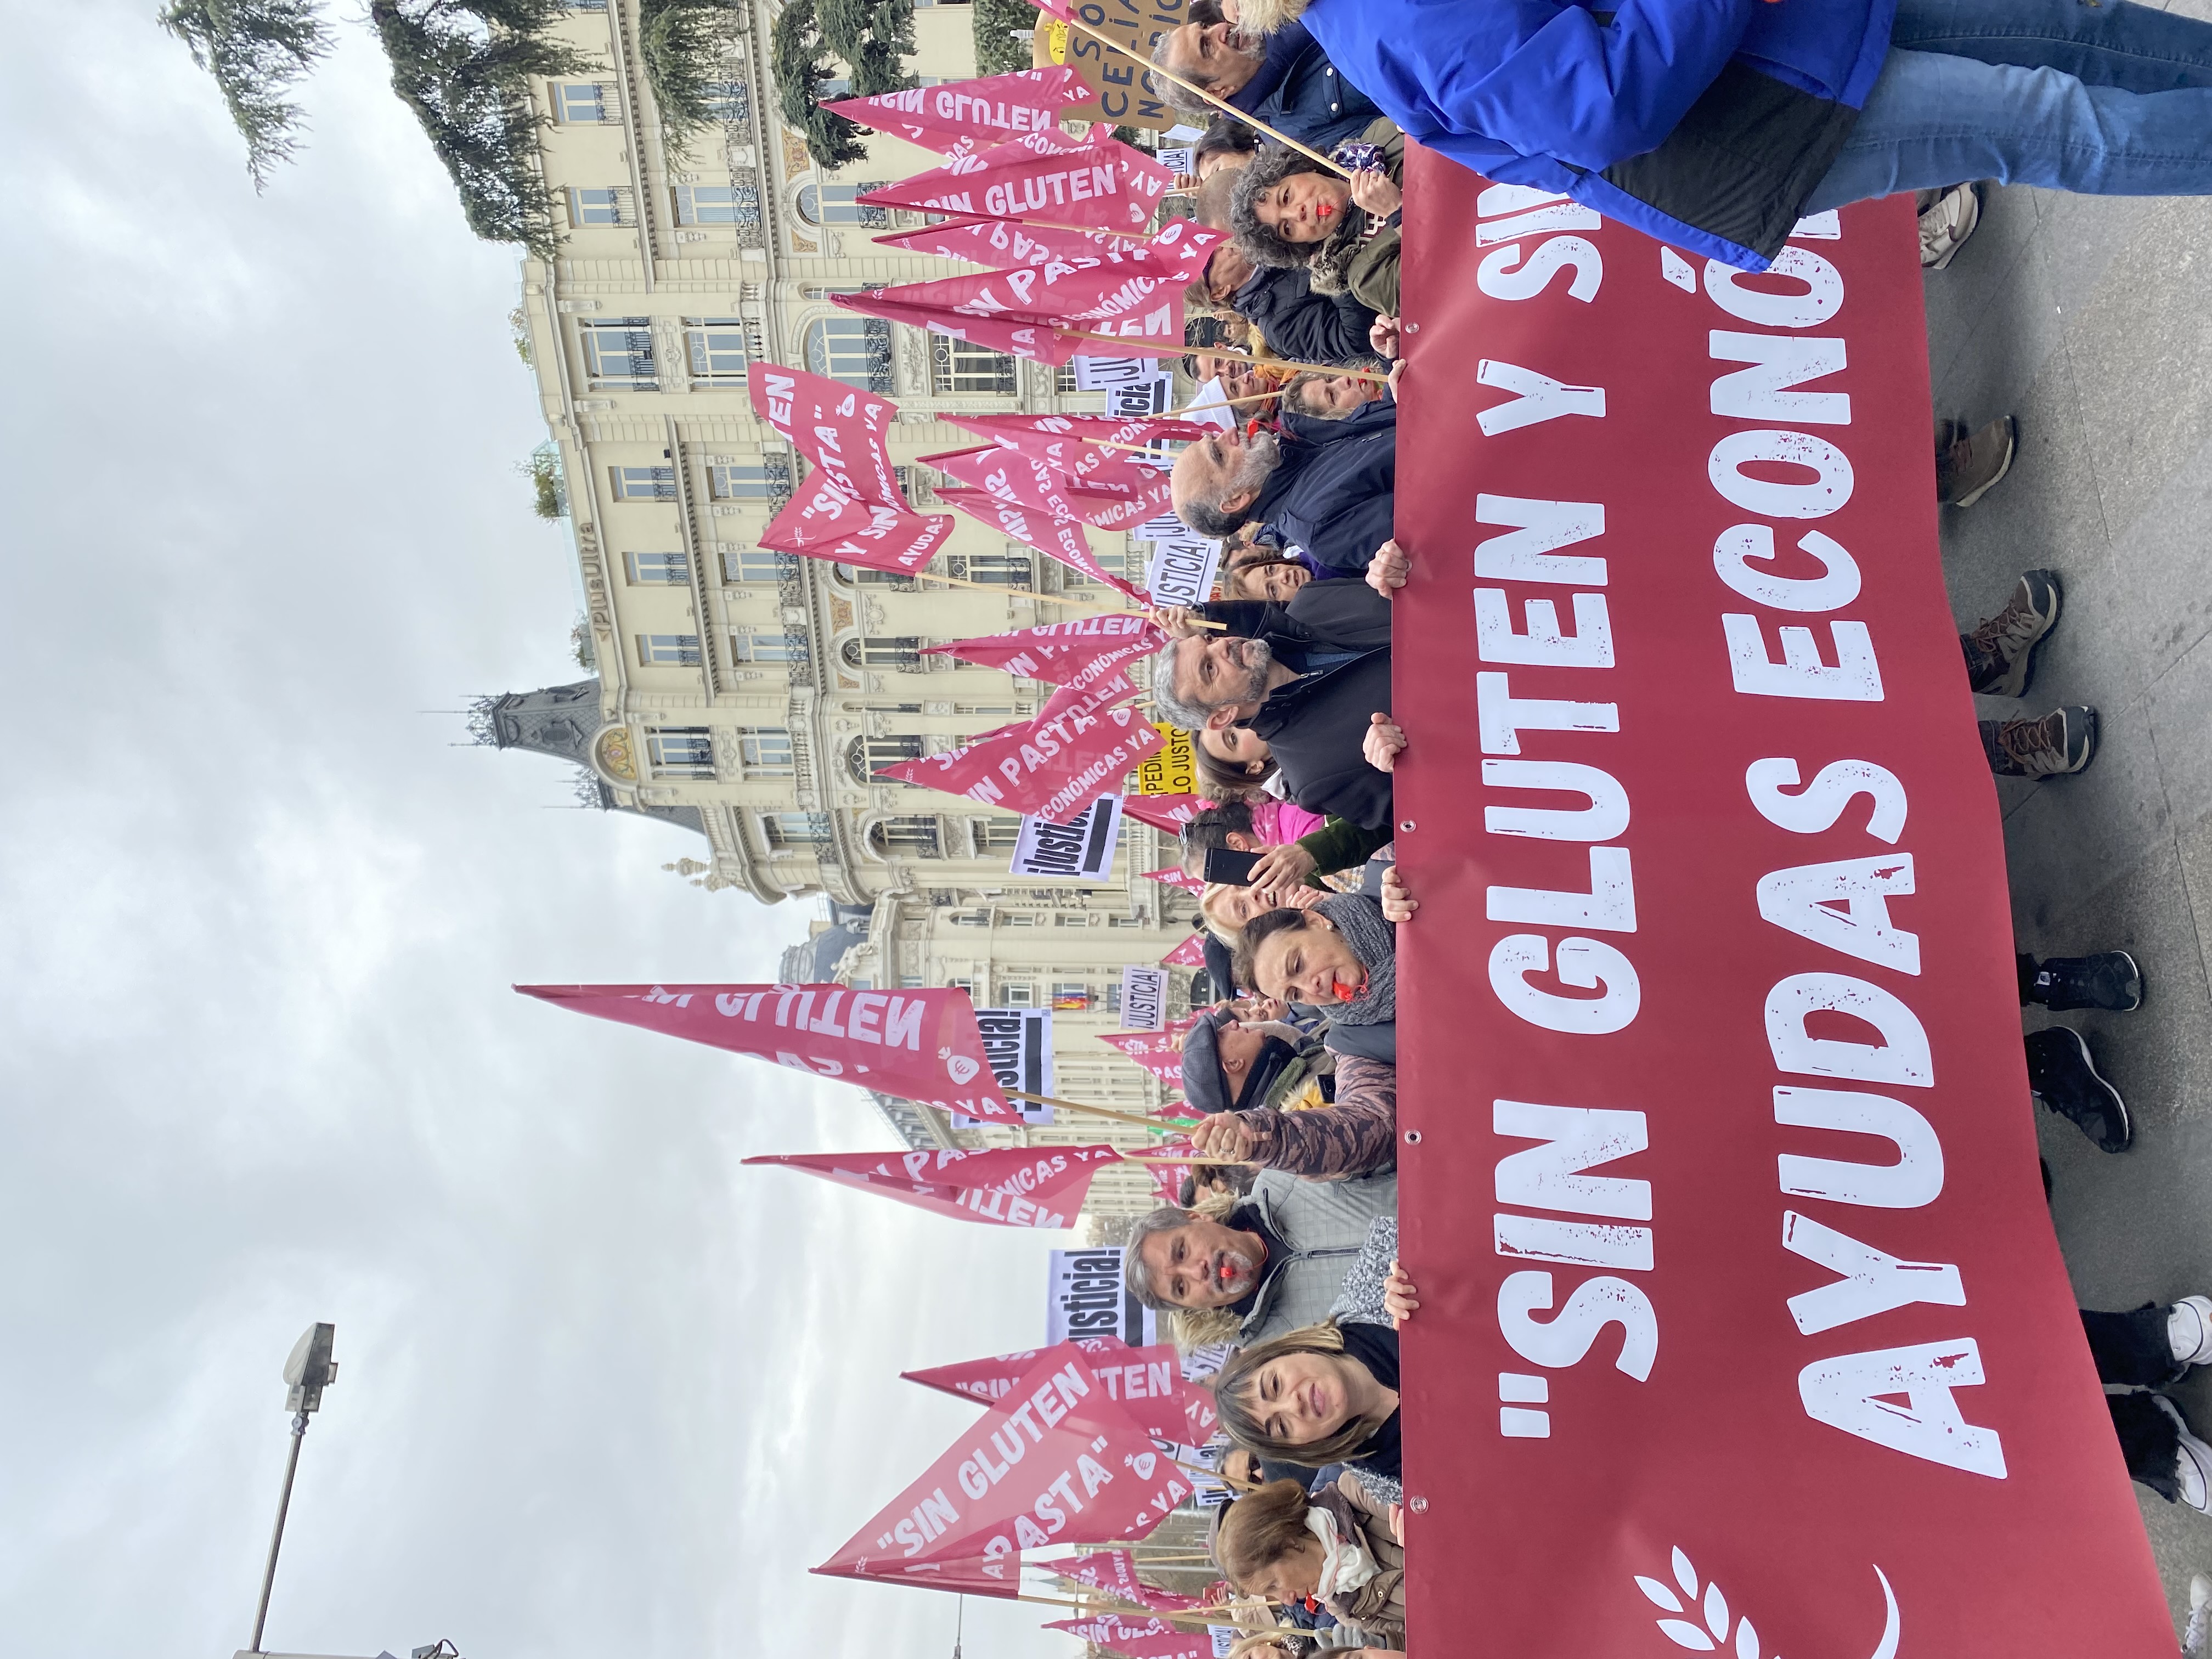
[(2110, 980), (2065, 1079)]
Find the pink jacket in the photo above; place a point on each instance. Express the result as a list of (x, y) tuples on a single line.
[(1278, 823)]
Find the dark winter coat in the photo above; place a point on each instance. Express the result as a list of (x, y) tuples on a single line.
[(1298, 93), (1333, 490), (1299, 324)]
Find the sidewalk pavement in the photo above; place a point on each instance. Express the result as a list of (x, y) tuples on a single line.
[(2088, 319)]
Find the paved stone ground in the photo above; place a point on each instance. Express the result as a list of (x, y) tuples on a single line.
[(2087, 320)]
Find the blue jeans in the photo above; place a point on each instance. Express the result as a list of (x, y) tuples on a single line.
[(2110, 99)]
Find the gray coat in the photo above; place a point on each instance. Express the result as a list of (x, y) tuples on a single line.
[(1324, 1225)]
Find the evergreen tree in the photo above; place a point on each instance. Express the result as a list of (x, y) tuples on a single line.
[(686, 45), (800, 60), (464, 67), (255, 50)]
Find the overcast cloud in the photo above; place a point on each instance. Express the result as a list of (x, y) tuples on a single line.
[(601, 1391)]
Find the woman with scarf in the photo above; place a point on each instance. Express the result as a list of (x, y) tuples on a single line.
[(1337, 1550), (1289, 211), (1340, 956)]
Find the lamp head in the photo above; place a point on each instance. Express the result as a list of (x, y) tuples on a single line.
[(311, 1369)]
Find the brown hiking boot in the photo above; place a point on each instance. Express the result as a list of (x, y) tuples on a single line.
[(2061, 743), (2000, 650), (1969, 464)]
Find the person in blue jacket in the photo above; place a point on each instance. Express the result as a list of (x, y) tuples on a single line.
[(1715, 125)]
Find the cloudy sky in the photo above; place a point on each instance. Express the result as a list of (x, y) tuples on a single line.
[(601, 1391)]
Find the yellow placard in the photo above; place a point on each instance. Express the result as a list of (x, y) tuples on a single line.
[(1172, 771)]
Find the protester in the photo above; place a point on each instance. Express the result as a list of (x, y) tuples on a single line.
[(1324, 845), (1338, 1546), (1355, 1134), (1227, 142), (1288, 210), (2109, 980), (1327, 485), (1260, 572), (1340, 956), (1284, 81), (1233, 762), (1226, 907), (2000, 652), (1307, 678), (1337, 397), (1273, 1262), (1717, 128), (1231, 1064)]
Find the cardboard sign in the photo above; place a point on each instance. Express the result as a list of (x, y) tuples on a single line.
[(1143, 998), (1123, 89), (1082, 849), (1084, 1297), (1172, 769)]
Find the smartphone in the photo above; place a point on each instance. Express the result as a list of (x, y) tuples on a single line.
[(1229, 867)]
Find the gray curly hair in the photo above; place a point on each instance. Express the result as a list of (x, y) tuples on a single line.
[(1174, 709), (1261, 246)]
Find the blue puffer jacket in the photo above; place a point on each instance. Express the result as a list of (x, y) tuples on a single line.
[(1298, 91), (1704, 123)]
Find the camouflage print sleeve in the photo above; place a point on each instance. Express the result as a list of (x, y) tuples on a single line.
[(1357, 1136)]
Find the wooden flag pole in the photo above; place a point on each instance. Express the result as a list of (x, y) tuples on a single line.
[(1024, 592), (1192, 1159), (1103, 1111), (1127, 342), (1230, 403), (1226, 109)]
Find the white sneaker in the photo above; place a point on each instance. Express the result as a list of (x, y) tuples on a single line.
[(2192, 1460), (2189, 1331), (2200, 1616), (1947, 223)]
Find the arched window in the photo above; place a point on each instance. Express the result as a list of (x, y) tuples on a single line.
[(865, 755), (916, 835), (856, 350), (833, 204)]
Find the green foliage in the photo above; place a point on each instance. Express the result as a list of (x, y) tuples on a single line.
[(998, 51), (255, 50), (464, 68), (580, 646), (686, 45), (543, 469), (811, 37), (518, 323)]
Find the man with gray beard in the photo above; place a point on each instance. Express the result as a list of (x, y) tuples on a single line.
[(1326, 486), (1312, 677)]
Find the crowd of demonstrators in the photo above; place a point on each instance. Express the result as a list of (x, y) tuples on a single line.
[(1717, 133)]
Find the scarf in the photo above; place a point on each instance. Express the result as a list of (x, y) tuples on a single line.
[(1375, 942), (1345, 1566)]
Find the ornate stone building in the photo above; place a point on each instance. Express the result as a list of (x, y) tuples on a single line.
[(747, 696)]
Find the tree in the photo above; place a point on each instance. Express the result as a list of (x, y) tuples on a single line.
[(464, 67), (868, 36), (255, 50), (999, 49), (686, 45)]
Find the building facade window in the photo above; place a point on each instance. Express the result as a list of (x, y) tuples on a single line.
[(584, 101), (1000, 570), (717, 205), (764, 750), (916, 834), (717, 351), (989, 835), (916, 483), (969, 918), (765, 480), (883, 651), (1016, 993), (729, 101), (1071, 996), (619, 354), (865, 755), (796, 828), (644, 483), (769, 647), (856, 350), (756, 564), (1063, 379), (607, 204), (658, 569), (833, 204), (862, 576), (682, 649), (680, 751), (963, 366)]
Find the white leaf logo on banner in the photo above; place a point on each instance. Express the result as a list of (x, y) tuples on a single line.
[(962, 1067), (1712, 1607)]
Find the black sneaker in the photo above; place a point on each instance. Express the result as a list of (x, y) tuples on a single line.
[(2066, 1080), (2110, 980)]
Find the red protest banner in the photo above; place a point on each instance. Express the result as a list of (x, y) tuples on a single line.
[(1115, 1572), (1191, 953), (1009, 475), (1138, 1639), (840, 429), (1005, 1187), (1048, 767), (1168, 813), (1823, 1390), (1069, 443), (1056, 651), (1056, 1459), (1122, 294), (940, 116), (1160, 1053), (1176, 876), (919, 1045), (1148, 1383), (1182, 244), (1100, 685), (1103, 185), (1055, 538), (823, 522)]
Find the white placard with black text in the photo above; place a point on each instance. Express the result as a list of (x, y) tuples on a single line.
[(1081, 849)]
